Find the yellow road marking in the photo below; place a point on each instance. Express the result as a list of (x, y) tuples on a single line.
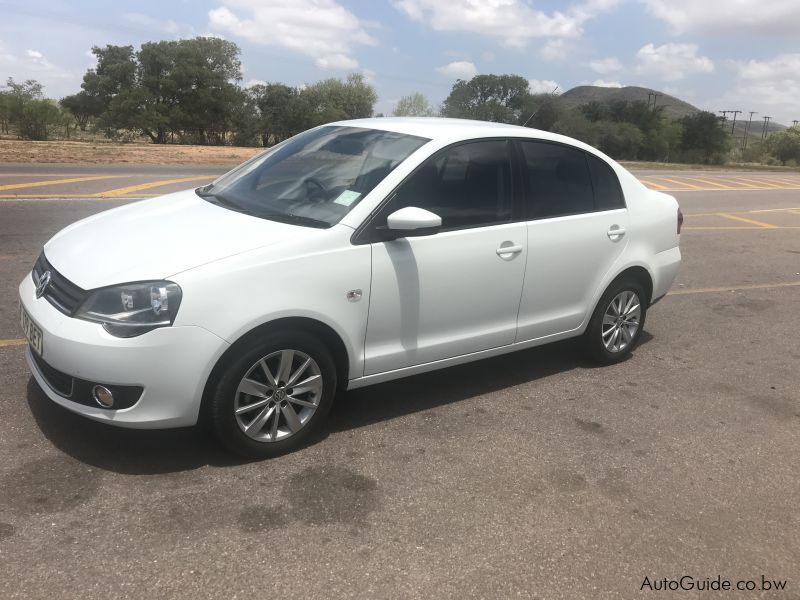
[(653, 184), (146, 186), (714, 183), (760, 210), (58, 196), (735, 288), (678, 182), (760, 182), (795, 182), (4, 343), (17, 186), (750, 221)]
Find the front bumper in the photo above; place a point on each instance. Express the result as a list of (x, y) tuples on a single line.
[(171, 364)]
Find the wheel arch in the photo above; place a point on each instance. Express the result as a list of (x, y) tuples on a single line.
[(326, 334)]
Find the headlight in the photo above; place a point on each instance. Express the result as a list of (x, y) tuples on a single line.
[(132, 309)]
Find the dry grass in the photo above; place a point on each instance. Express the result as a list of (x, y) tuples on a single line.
[(23, 151)]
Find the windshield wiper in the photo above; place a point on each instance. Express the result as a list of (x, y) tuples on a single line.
[(295, 219), (218, 199)]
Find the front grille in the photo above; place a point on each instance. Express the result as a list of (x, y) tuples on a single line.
[(61, 293), (60, 382)]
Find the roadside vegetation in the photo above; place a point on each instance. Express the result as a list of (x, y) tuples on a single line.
[(189, 92)]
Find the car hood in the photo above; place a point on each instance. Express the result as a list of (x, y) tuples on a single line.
[(157, 238)]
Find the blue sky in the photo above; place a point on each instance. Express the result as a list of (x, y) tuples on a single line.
[(742, 54)]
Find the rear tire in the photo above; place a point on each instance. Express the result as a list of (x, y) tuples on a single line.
[(617, 322), (273, 395)]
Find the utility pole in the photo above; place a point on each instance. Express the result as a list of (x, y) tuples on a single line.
[(655, 97), (735, 112), (747, 128), (649, 97), (764, 132), (795, 122), (724, 118)]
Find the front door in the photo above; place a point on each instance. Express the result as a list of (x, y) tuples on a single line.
[(458, 291)]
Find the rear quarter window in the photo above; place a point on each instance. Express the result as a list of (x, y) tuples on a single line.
[(607, 190)]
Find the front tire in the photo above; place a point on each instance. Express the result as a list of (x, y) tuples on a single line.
[(617, 322), (274, 394)]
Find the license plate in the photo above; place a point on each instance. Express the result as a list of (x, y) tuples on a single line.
[(33, 333)]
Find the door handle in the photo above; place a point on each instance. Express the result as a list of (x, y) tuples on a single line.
[(615, 232), (503, 250)]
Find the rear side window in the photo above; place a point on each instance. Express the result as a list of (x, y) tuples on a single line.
[(468, 185), (559, 181), (607, 191)]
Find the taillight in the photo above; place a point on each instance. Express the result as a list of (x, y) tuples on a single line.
[(680, 221)]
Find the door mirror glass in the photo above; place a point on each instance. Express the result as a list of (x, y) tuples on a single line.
[(413, 221)]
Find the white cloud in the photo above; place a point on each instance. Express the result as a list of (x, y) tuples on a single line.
[(554, 50), (769, 86), (543, 86), (460, 69), (33, 64), (605, 65), (608, 84), (252, 82), (320, 29), (169, 26), (672, 62), (512, 22), (772, 17)]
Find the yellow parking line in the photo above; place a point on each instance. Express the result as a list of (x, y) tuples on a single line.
[(750, 221), (714, 183), (735, 288), (4, 343), (146, 186), (58, 196), (743, 228), (17, 186), (795, 182), (760, 182), (678, 182), (653, 184)]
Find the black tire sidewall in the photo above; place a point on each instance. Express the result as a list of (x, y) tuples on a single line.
[(221, 409), (593, 336)]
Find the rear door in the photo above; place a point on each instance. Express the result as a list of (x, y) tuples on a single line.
[(576, 230)]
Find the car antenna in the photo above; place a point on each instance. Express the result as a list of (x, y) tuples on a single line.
[(525, 124)]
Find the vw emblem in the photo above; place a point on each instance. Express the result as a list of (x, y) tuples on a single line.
[(44, 281)]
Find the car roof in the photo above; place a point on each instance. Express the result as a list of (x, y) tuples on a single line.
[(453, 130)]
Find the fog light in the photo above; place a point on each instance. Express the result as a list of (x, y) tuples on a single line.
[(103, 396)]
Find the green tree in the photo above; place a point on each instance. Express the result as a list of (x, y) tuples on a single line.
[(703, 140), (785, 145), (82, 106), (414, 105), (335, 100), (282, 111), (497, 98)]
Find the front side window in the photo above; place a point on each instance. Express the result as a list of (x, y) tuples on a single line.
[(559, 182), (468, 185), (314, 178)]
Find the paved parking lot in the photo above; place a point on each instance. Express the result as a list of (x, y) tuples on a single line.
[(533, 475)]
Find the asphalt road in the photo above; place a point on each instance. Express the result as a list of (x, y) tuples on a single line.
[(533, 475)]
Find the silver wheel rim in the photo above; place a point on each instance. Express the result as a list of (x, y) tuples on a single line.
[(278, 395), (621, 321)]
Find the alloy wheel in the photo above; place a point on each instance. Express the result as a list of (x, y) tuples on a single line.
[(278, 395), (621, 321)]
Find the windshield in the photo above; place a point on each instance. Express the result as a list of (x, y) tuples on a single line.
[(314, 178)]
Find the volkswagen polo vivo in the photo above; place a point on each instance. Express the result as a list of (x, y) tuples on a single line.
[(351, 254)]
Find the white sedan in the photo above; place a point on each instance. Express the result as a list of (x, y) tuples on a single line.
[(351, 254)]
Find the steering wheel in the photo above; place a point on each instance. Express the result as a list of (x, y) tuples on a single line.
[(321, 186)]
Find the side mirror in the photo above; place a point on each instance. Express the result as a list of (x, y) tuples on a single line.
[(411, 222)]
